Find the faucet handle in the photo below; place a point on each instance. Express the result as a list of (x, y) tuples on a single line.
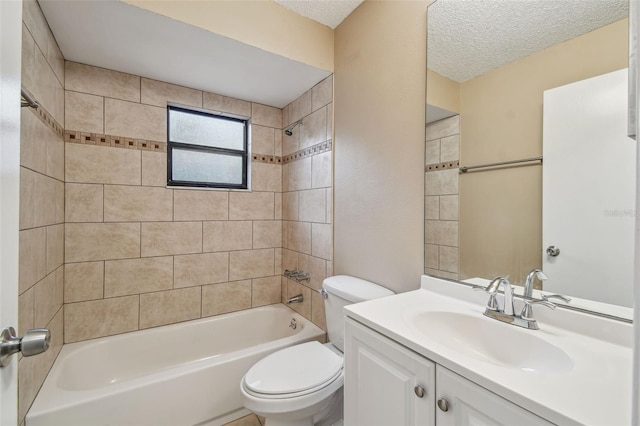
[(491, 290), (527, 311), (565, 299)]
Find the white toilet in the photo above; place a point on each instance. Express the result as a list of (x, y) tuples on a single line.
[(302, 384)]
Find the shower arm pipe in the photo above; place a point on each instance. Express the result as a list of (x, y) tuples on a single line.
[(290, 127)]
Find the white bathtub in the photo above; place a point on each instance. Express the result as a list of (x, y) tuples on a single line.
[(182, 374)]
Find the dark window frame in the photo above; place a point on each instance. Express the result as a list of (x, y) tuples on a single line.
[(243, 154)]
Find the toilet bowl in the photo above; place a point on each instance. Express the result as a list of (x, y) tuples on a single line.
[(302, 385)]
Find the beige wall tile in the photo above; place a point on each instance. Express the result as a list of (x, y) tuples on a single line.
[(265, 115), (251, 264), (266, 291), (322, 93), (431, 256), (158, 93), (277, 150), (83, 202), (313, 205), (26, 314), (299, 108), (134, 276), (299, 236), (48, 297), (291, 144), (55, 58), (98, 318), (304, 307), (449, 148), (449, 259), (225, 104), (99, 164), (28, 55), (32, 257), (227, 235), (330, 268), (314, 129), (267, 234), (443, 128), (33, 153), (329, 205), (315, 267), (285, 177), (432, 152), (321, 170), (134, 120), (86, 242), (432, 207), (83, 281), (289, 260), (277, 199), (285, 116), (318, 316), (262, 140), (322, 240), (137, 204), (227, 297), (300, 174), (449, 207), (200, 269), (443, 182), (46, 88), (200, 205), (266, 177), (330, 121), (154, 168), (168, 307), (84, 113), (33, 370), (55, 247), (277, 265), (251, 206), (441, 274), (102, 82), (441, 232), (160, 239), (41, 200), (290, 205), (55, 155)]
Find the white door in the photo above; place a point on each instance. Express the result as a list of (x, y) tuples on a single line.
[(385, 383), (10, 59), (462, 402), (585, 147)]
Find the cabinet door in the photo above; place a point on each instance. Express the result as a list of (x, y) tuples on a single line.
[(383, 380), (470, 404)]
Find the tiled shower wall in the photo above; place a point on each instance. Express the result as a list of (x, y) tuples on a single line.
[(307, 197), (41, 245), (139, 254), (441, 198)]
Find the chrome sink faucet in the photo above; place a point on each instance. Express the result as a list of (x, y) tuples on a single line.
[(525, 319)]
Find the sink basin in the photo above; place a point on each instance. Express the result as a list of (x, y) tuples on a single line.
[(492, 341)]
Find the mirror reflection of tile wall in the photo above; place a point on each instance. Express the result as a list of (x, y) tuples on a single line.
[(441, 198)]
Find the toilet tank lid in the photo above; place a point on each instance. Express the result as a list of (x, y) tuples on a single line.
[(354, 289)]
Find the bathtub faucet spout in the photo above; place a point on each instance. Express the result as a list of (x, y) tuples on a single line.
[(295, 299)]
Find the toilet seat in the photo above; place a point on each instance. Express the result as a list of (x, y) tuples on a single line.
[(294, 371)]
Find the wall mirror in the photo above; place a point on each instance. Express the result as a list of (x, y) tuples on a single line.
[(528, 164)]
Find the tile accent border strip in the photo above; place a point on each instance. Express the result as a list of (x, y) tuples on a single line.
[(270, 159), (72, 136), (48, 120), (318, 148), (442, 166)]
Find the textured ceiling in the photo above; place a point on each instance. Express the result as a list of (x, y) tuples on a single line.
[(467, 38), (327, 12)]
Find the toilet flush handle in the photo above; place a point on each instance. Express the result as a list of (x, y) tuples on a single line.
[(323, 292)]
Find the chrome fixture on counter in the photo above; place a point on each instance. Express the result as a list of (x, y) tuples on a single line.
[(525, 319), (297, 275)]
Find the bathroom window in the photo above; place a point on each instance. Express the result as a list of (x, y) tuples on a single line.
[(206, 150)]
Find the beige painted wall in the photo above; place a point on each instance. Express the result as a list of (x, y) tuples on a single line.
[(259, 23), (380, 57), (443, 92), (501, 119)]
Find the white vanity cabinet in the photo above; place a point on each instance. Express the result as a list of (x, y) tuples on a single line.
[(388, 384), (385, 383)]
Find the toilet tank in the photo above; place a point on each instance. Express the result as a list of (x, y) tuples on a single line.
[(343, 290)]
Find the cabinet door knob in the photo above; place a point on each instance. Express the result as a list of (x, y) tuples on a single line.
[(443, 404), (419, 390)]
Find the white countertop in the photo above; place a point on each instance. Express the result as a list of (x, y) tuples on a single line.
[(596, 391)]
